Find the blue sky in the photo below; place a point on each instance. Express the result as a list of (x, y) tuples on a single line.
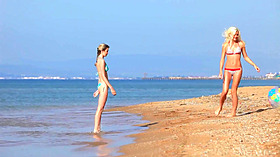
[(33, 31)]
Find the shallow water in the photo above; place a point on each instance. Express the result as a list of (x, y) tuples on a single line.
[(64, 132)]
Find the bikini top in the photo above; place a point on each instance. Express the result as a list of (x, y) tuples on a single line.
[(106, 67), (230, 52)]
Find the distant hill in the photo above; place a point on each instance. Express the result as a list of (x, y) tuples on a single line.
[(122, 66)]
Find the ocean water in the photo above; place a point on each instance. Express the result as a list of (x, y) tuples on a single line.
[(55, 117)]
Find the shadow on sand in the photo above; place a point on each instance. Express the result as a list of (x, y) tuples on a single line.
[(257, 111), (147, 124)]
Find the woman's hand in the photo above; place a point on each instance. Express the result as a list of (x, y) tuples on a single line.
[(257, 68), (221, 75), (113, 91)]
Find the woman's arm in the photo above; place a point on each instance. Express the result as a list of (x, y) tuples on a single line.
[(222, 61), (101, 69), (246, 58)]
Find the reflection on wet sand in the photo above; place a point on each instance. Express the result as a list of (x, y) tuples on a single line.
[(102, 150), (100, 145)]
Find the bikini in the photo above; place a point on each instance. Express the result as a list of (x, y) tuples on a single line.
[(237, 51), (100, 83), (230, 52), (106, 69)]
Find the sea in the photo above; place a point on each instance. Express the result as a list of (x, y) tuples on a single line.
[(56, 117)]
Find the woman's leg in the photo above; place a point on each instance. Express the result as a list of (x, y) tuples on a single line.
[(227, 79), (235, 83), (103, 93)]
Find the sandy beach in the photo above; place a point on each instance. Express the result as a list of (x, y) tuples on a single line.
[(189, 127)]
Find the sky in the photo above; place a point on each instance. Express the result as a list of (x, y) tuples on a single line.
[(43, 34)]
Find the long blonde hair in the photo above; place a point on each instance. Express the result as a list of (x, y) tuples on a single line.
[(229, 33), (101, 47)]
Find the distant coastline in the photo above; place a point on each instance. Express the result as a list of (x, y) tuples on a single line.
[(136, 78), (206, 78)]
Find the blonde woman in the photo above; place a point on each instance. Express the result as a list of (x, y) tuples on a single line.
[(103, 84), (233, 47)]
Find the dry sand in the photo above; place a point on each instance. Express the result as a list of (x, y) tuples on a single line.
[(190, 128)]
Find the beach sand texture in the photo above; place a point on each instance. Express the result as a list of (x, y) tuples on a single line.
[(190, 128)]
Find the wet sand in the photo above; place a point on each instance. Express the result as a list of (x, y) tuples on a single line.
[(190, 128)]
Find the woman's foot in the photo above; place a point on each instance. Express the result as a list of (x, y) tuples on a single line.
[(231, 115), (217, 112), (96, 131)]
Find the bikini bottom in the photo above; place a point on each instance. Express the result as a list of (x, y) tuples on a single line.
[(232, 70), (101, 84)]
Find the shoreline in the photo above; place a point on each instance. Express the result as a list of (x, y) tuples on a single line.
[(189, 127), (130, 78)]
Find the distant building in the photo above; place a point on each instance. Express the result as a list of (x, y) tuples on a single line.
[(278, 75), (77, 78), (270, 75)]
